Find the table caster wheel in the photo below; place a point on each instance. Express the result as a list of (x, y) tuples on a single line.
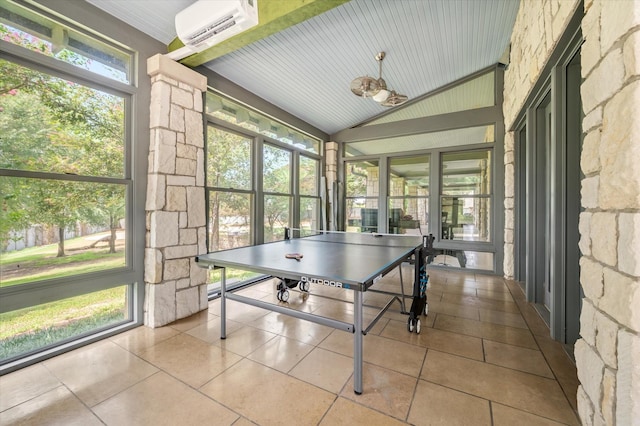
[(304, 286), (410, 325), (284, 295), (418, 326)]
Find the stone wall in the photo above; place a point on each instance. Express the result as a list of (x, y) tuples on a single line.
[(175, 287), (538, 27), (608, 354)]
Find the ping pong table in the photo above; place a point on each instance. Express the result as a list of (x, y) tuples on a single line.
[(350, 261)]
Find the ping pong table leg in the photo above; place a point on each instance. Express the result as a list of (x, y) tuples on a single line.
[(357, 343), (223, 303)]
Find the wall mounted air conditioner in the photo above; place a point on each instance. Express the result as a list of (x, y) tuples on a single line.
[(208, 22)]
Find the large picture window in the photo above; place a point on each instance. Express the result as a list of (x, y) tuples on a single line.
[(66, 186), (466, 196)]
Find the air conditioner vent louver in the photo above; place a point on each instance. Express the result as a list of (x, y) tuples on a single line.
[(208, 22)]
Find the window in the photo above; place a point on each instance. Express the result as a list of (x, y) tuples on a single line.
[(309, 175), (66, 185), (466, 196), (259, 180), (230, 194), (277, 192), (409, 195), (362, 189)]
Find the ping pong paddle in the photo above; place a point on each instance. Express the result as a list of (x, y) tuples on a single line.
[(296, 256)]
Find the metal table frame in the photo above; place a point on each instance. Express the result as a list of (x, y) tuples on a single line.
[(357, 328)]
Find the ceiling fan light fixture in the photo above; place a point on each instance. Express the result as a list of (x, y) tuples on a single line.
[(365, 87), (376, 89), (383, 94)]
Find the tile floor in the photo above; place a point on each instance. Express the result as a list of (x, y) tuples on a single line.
[(483, 357)]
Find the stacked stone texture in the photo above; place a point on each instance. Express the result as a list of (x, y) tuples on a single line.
[(608, 354), (175, 206)]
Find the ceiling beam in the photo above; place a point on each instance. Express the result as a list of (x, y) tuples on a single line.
[(273, 17)]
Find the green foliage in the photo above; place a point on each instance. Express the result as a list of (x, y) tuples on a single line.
[(52, 125)]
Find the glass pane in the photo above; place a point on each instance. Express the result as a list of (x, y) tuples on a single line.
[(229, 220), (276, 217), (409, 215), (38, 33), (55, 228), (233, 277), (310, 213), (249, 119), (52, 125), (309, 173), (466, 173), (409, 176), (466, 218), (362, 215), (443, 139), (228, 160), (464, 259), (277, 170), (35, 327), (362, 179)]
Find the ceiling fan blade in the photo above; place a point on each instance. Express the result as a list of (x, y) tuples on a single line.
[(365, 86), (394, 99)]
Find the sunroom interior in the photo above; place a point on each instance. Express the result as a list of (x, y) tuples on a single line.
[(88, 244)]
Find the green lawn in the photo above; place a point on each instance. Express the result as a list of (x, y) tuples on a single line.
[(42, 263)]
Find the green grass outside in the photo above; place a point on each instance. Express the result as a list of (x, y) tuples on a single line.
[(42, 263), (35, 327)]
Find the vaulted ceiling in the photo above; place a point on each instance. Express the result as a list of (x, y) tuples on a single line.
[(306, 69)]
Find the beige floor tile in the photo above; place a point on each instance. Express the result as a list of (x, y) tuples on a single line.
[(453, 343), (163, 400), (293, 328), (143, 337), (477, 302), (392, 354), (244, 340), (189, 322), (347, 413), (496, 332), (281, 353), (325, 369), (562, 366), (243, 422), (534, 394), (495, 295), (383, 390), (210, 331), (437, 405), (99, 371), (523, 359), (55, 407), (25, 384), (507, 416), (453, 309), (189, 359), (268, 397), (534, 322), (502, 318)]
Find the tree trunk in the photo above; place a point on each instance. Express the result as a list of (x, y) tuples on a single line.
[(60, 241), (112, 240)]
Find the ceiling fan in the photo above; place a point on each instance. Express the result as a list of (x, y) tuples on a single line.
[(376, 89)]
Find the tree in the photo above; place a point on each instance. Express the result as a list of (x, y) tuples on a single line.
[(51, 125)]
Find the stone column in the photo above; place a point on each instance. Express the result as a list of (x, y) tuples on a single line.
[(175, 287), (331, 173)]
